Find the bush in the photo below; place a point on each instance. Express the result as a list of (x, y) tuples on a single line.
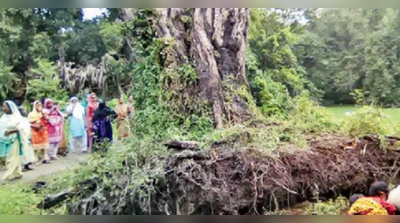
[(271, 97), (45, 83), (307, 116), (368, 120), (331, 207)]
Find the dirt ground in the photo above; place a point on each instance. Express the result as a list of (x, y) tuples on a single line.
[(45, 170)]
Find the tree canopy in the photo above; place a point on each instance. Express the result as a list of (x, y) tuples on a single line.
[(329, 53)]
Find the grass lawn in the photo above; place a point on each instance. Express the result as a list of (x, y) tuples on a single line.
[(339, 112)]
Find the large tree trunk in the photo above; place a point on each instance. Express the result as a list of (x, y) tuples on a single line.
[(213, 40)]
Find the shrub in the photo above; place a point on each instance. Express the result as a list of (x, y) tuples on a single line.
[(45, 83), (307, 116), (331, 207), (368, 120)]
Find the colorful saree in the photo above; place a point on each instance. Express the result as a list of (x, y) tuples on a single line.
[(11, 146), (55, 126), (123, 111)]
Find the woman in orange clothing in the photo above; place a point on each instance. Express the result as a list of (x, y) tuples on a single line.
[(90, 110), (40, 136)]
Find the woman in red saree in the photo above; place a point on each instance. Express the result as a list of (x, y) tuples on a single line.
[(90, 110), (55, 127), (40, 136)]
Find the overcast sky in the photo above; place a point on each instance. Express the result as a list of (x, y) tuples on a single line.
[(90, 13)]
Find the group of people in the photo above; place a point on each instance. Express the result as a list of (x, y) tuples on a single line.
[(35, 138), (380, 201)]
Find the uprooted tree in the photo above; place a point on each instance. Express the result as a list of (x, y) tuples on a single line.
[(230, 176)]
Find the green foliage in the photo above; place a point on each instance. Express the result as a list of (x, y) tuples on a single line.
[(119, 71), (359, 97), (8, 80), (307, 116), (273, 97), (331, 207), (368, 120), (163, 109), (84, 44), (46, 82), (271, 66), (140, 154), (112, 34), (41, 46), (347, 49), (18, 200)]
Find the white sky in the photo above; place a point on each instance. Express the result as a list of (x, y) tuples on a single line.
[(90, 13)]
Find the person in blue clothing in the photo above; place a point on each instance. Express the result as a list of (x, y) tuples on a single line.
[(77, 128)]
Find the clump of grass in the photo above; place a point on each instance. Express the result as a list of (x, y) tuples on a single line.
[(18, 200), (306, 117), (331, 207)]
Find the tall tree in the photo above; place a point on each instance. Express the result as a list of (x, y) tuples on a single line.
[(214, 42)]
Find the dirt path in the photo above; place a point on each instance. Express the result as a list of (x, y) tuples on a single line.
[(64, 163)]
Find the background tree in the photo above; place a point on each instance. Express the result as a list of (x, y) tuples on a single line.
[(340, 50)]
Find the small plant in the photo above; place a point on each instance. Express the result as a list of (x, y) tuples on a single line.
[(307, 116), (368, 120), (8, 80), (331, 207), (359, 97)]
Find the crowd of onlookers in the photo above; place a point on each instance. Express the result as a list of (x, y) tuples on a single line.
[(34, 138)]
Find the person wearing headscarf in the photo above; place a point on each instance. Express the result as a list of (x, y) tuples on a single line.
[(90, 110), (123, 111), (40, 136), (77, 131), (102, 124), (11, 145), (131, 107), (28, 158), (55, 127), (375, 204)]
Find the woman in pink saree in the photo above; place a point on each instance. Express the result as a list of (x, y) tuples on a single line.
[(55, 127), (92, 107)]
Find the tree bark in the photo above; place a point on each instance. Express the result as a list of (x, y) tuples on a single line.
[(214, 41)]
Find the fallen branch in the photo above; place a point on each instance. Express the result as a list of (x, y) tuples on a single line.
[(183, 145), (53, 200)]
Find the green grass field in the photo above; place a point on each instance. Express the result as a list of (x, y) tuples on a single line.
[(339, 112)]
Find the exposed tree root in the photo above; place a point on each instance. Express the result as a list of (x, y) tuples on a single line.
[(246, 182)]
